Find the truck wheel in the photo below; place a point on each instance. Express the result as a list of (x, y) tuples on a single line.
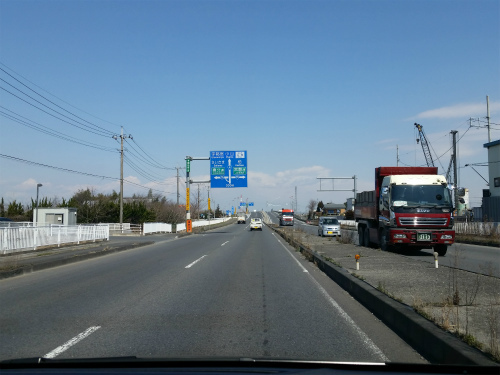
[(361, 240), (441, 250), (366, 237), (382, 239)]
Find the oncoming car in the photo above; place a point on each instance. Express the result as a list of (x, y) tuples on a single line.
[(328, 226), (256, 224)]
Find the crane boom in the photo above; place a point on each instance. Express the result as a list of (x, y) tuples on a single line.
[(425, 145)]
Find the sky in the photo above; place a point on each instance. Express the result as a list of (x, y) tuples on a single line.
[(307, 88)]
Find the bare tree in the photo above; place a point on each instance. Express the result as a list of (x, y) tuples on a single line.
[(311, 206)]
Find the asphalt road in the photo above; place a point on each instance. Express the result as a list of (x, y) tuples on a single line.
[(475, 258), (227, 293)]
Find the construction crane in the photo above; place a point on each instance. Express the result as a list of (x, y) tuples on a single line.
[(425, 145)]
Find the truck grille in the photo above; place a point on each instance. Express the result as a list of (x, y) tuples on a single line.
[(423, 221)]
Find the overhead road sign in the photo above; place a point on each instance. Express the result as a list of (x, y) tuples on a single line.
[(228, 169), (250, 204)]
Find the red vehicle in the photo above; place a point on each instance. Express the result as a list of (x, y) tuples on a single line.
[(286, 217), (410, 208)]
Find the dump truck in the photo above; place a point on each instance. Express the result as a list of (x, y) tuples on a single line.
[(411, 208)]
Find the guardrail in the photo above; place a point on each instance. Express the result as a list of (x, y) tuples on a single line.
[(17, 239)]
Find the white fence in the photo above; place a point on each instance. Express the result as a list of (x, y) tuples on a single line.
[(15, 239), (163, 227), (477, 228), (156, 228), (125, 228), (203, 223)]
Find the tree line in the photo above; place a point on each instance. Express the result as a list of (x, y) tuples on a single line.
[(93, 208)]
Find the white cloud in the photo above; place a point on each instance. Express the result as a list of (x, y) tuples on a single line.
[(460, 111)]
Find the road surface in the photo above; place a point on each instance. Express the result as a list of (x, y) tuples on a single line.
[(227, 293)]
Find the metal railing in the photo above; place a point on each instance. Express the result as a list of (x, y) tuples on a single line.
[(125, 228), (17, 239)]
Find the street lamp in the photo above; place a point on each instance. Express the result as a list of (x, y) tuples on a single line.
[(38, 186)]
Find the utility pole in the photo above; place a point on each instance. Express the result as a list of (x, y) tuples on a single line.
[(488, 117), (295, 199), (121, 173), (178, 194), (397, 155), (455, 176)]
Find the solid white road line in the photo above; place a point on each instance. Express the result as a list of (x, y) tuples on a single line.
[(366, 340), (54, 353), (295, 259), (196, 261)]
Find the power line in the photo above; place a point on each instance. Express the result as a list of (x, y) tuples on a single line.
[(50, 114), (143, 159), (13, 158), (43, 129), (96, 131), (145, 153), (143, 173), (41, 88), (58, 106)]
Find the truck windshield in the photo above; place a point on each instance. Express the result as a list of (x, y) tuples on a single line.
[(287, 213), (417, 195)]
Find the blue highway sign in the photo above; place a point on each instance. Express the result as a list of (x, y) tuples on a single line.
[(228, 169)]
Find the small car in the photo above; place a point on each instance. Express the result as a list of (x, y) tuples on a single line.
[(256, 223), (328, 226)]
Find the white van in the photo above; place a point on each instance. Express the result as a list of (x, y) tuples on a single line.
[(328, 226)]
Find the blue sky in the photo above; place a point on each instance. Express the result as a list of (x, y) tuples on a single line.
[(308, 88)]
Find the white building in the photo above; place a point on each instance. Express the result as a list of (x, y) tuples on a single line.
[(60, 215), (491, 200)]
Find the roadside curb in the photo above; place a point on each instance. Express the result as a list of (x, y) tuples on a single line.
[(432, 342), (29, 268)]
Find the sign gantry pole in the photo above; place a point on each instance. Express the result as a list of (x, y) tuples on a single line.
[(189, 226)]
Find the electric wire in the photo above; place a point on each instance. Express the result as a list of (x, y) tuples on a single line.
[(44, 129), (58, 106), (96, 131), (138, 154), (146, 175), (62, 100), (50, 114), (145, 153), (29, 162)]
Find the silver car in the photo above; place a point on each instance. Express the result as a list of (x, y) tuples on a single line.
[(328, 226)]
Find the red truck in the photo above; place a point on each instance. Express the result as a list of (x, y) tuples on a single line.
[(410, 208), (286, 217)]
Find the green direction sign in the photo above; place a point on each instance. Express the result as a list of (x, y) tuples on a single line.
[(239, 171), (218, 171)]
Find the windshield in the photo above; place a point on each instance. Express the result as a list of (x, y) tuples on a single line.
[(166, 165), (418, 195), (330, 221)]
